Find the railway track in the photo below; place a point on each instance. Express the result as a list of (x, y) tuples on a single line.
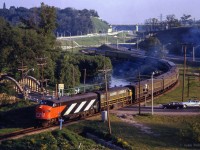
[(21, 133), (33, 130)]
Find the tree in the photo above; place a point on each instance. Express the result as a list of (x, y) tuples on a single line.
[(6, 41), (186, 19), (152, 45), (172, 21), (47, 19)]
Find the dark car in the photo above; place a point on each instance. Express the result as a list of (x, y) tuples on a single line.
[(173, 105)]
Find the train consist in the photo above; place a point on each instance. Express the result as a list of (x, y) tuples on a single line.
[(81, 105)]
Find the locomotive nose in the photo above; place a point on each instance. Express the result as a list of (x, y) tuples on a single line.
[(42, 112)]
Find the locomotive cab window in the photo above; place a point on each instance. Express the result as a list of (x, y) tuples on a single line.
[(46, 102)]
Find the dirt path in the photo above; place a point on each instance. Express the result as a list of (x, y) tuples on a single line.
[(128, 118)]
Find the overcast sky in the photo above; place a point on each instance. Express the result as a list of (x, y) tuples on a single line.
[(121, 11)]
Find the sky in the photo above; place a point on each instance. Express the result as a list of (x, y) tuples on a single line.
[(121, 11)]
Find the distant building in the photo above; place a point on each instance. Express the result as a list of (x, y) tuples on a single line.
[(110, 29), (4, 5), (136, 28)]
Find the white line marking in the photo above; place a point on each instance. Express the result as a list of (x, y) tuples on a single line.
[(70, 109), (80, 106), (89, 105)]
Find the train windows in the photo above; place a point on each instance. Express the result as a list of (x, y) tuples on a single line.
[(102, 96), (122, 91), (46, 102), (113, 93)]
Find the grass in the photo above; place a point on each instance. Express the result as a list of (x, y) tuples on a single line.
[(8, 130), (176, 94), (93, 41), (173, 129), (99, 25), (59, 139), (16, 116), (167, 131)]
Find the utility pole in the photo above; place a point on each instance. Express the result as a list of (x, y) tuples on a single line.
[(73, 77), (188, 92), (139, 94), (107, 102), (106, 88), (72, 46), (42, 63), (84, 78), (152, 92), (184, 71)]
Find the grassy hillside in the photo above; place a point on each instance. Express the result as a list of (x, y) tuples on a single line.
[(99, 25)]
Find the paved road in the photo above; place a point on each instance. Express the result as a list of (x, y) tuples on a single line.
[(158, 110)]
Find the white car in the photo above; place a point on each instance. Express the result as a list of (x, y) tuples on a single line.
[(191, 103)]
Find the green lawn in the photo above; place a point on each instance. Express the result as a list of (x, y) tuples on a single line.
[(169, 132), (93, 41), (176, 93)]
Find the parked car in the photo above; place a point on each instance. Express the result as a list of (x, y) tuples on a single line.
[(173, 105), (191, 103)]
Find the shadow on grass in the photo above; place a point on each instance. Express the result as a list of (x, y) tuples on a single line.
[(18, 118), (163, 136)]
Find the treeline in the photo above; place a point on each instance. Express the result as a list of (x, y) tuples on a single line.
[(68, 20), (154, 24), (33, 42)]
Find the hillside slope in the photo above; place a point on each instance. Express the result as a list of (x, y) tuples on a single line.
[(99, 26)]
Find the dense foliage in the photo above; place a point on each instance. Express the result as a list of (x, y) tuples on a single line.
[(32, 42), (70, 67), (69, 20)]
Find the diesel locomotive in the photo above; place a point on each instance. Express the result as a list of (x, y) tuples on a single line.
[(81, 105)]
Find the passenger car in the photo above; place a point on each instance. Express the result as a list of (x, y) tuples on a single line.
[(173, 105), (191, 103)]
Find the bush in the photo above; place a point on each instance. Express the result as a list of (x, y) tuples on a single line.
[(6, 99)]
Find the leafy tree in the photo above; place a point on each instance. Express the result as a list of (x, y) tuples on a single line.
[(186, 19), (5, 42), (69, 67), (152, 24), (152, 45), (172, 21), (48, 19)]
